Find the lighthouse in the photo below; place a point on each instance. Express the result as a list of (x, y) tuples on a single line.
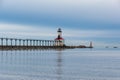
[(91, 45), (59, 41)]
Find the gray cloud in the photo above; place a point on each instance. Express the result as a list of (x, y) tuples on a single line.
[(100, 10)]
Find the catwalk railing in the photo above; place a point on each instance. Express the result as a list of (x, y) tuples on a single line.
[(27, 42), (13, 43)]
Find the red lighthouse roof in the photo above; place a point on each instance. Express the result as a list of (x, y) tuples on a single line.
[(59, 38)]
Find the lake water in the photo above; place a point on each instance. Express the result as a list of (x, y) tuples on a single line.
[(71, 64)]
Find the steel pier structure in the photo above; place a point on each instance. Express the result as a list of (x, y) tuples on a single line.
[(13, 43), (28, 44)]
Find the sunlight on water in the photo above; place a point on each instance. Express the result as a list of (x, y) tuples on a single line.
[(72, 64)]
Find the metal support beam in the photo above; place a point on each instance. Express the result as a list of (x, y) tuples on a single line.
[(1, 41), (6, 41), (23, 42), (30, 42), (19, 42), (15, 42), (27, 41), (11, 42)]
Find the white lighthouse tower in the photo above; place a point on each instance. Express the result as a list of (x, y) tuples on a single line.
[(59, 41)]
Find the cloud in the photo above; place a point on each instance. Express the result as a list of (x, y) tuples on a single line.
[(96, 10), (24, 31), (46, 31), (71, 36)]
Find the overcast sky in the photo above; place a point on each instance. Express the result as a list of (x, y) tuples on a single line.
[(81, 20)]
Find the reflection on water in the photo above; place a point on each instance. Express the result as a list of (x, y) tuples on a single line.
[(60, 65), (34, 64)]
